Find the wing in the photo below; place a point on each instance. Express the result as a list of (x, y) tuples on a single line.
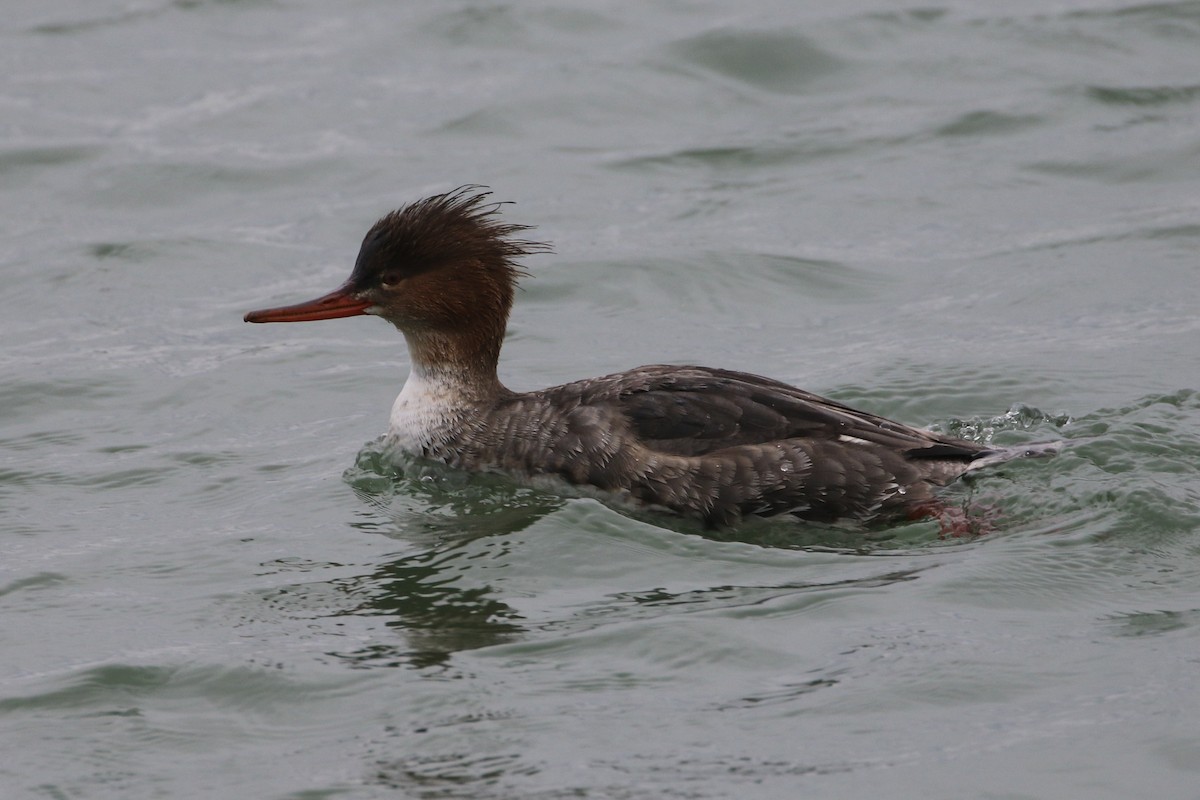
[(694, 411)]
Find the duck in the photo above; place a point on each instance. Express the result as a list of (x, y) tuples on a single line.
[(715, 445)]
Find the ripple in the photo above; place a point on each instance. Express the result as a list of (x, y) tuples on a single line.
[(16, 159), (26, 400), (134, 252), (1121, 499), (421, 500), (80, 26), (987, 123), (737, 157), (24, 477), (1153, 623), (1170, 18), (42, 439), (1143, 95), (35, 583), (784, 694), (480, 25), (754, 600), (772, 61), (449, 775), (201, 697), (1163, 166)]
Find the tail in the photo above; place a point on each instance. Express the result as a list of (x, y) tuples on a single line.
[(1000, 455)]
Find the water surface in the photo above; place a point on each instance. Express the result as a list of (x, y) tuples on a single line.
[(978, 216)]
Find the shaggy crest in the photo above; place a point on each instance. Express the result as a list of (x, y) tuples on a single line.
[(460, 226)]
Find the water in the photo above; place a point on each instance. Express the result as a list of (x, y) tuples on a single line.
[(980, 216)]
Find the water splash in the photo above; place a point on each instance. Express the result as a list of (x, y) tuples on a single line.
[(1018, 418)]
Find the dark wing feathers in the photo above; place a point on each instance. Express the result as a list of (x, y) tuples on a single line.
[(719, 445), (691, 421), (695, 410)]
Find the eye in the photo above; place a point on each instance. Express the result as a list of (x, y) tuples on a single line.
[(391, 278)]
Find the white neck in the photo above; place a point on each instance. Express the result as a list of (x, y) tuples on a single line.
[(430, 408)]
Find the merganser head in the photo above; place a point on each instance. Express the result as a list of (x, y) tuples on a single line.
[(445, 266)]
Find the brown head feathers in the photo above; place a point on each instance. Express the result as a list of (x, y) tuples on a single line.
[(462, 226)]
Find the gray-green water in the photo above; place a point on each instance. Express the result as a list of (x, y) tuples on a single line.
[(982, 216)]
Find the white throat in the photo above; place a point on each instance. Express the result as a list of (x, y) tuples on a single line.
[(429, 411)]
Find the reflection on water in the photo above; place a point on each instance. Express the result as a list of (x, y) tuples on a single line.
[(438, 616), (438, 600)]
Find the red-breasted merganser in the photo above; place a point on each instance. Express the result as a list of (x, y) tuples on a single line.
[(712, 444)]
